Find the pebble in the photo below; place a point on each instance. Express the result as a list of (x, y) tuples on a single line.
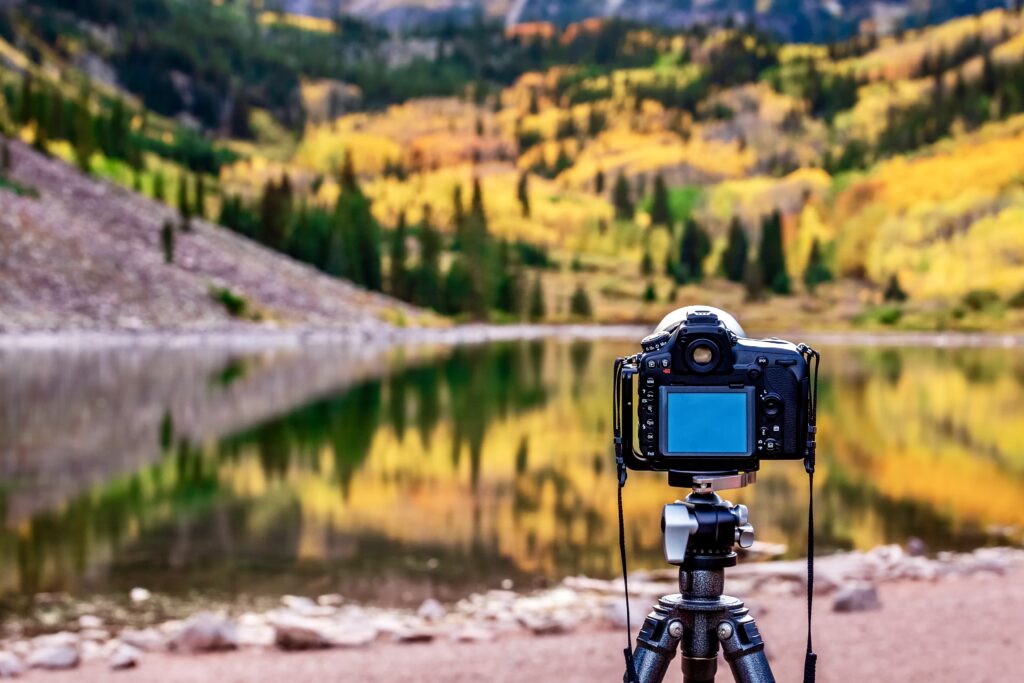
[(859, 597), (147, 639), (125, 657), (11, 665), (205, 632), (139, 595), (90, 621), (431, 610)]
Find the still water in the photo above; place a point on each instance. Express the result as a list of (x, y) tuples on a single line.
[(389, 477)]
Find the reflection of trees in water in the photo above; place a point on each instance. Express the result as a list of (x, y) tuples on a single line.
[(181, 511)]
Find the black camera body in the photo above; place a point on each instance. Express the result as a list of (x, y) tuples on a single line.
[(709, 400)]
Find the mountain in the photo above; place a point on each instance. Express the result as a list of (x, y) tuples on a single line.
[(796, 20)]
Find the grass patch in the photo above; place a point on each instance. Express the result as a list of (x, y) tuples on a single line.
[(236, 305), (18, 188)]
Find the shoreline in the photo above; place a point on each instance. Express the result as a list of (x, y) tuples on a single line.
[(845, 583), (264, 339)]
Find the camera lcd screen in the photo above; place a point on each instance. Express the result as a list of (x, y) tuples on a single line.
[(706, 421)]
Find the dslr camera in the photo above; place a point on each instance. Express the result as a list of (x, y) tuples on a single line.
[(709, 401)]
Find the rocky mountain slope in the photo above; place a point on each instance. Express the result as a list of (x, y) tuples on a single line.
[(86, 255)]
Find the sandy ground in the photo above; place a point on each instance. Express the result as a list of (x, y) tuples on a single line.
[(963, 629)]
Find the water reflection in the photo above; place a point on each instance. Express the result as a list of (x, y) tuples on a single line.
[(452, 472)]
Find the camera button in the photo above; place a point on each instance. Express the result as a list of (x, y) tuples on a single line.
[(652, 363), (762, 360)]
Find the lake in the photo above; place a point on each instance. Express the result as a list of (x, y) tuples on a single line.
[(389, 476)]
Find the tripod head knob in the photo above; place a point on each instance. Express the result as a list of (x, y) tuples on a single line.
[(678, 523), (704, 528)]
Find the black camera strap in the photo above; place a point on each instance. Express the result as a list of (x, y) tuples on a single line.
[(620, 467), (812, 356)]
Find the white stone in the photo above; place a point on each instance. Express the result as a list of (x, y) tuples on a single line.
[(125, 657), (205, 632), (55, 656), (11, 665), (90, 621), (330, 600), (147, 639), (139, 595), (306, 606), (431, 610)]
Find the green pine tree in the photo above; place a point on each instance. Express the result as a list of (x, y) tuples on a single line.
[(621, 199), (734, 258), (184, 205), (167, 241), (650, 293), (816, 272), (694, 247), (537, 308), (523, 194), (199, 192), (753, 281), (398, 275), (660, 212), (771, 256), (893, 291), (428, 273), (159, 192), (579, 303)]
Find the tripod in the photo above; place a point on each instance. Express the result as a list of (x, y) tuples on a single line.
[(699, 534)]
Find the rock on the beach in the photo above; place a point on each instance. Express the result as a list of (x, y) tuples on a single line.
[(146, 639), (205, 632), (306, 607), (139, 595), (431, 610), (544, 624), (11, 665), (125, 657), (615, 611), (55, 656), (858, 597), (90, 621), (299, 633)]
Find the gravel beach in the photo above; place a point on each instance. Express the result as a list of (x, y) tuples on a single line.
[(959, 628)]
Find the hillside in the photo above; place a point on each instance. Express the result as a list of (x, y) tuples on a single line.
[(82, 254), (601, 172)]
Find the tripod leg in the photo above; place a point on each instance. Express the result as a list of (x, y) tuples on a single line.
[(658, 641), (743, 647)]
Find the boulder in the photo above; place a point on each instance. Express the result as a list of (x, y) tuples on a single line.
[(859, 597), (293, 632), (205, 632)]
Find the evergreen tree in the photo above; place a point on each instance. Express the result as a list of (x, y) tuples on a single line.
[(85, 135), (275, 213), (771, 256), (537, 309), (660, 213), (734, 258), (355, 222), (510, 283), (458, 213), (621, 199), (5, 157), (398, 276), (693, 249), (428, 273), (650, 293), (579, 303), (159, 193), (199, 193), (167, 241), (646, 263), (476, 252), (753, 281), (184, 206), (893, 291), (523, 194), (458, 286), (562, 161), (816, 271), (599, 182)]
